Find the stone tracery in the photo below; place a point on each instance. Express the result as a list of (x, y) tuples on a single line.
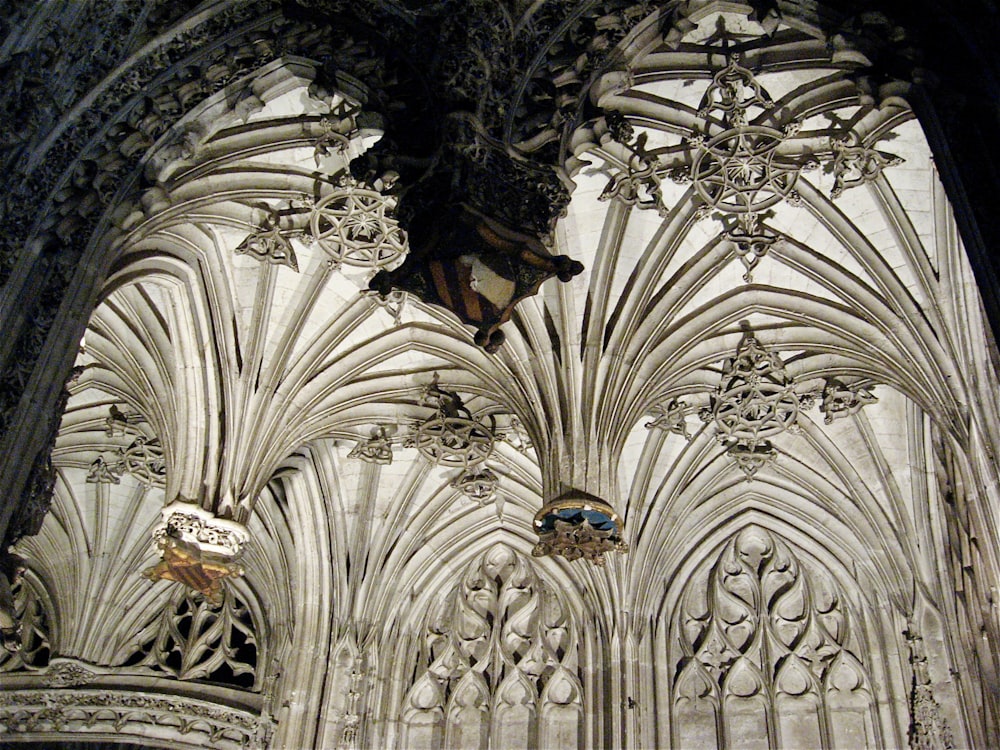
[(766, 650), (498, 660)]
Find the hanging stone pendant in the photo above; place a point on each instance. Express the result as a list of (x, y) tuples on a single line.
[(475, 267), (577, 525)]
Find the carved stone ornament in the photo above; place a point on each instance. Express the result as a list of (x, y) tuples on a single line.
[(515, 435), (11, 570), (500, 642), (755, 401), (751, 242), (577, 525), (33, 618), (270, 243), (671, 417), (476, 268), (143, 458), (452, 436), (198, 549), (479, 486), (739, 166), (103, 471), (63, 672), (375, 450), (855, 163), (119, 422), (840, 400), (356, 225)]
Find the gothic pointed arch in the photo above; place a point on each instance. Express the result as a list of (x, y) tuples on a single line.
[(765, 644)]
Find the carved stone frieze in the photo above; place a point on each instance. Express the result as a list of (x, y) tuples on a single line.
[(192, 523), (63, 673), (125, 714)]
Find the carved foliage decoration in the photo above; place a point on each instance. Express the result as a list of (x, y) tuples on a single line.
[(764, 648), (498, 660), (191, 639), (30, 613)]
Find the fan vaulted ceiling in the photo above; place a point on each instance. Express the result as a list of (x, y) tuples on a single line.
[(775, 333)]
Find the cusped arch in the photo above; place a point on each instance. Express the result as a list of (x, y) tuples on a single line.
[(769, 640)]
